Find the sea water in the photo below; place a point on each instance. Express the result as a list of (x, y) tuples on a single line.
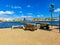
[(10, 24)]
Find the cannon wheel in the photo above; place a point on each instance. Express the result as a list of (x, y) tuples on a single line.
[(46, 27)]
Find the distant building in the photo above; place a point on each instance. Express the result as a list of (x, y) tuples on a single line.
[(8, 19), (1, 21), (5, 19)]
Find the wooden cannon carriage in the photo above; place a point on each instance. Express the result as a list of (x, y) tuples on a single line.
[(44, 26), (30, 27)]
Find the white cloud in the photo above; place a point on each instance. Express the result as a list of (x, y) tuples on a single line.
[(38, 15), (57, 10), (16, 7), (23, 16), (21, 12), (6, 12), (7, 5), (29, 16), (28, 6), (26, 16), (30, 13), (41, 15)]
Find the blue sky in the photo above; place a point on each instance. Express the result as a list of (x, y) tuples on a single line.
[(26, 8)]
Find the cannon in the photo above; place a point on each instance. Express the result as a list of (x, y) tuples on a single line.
[(44, 26), (30, 27)]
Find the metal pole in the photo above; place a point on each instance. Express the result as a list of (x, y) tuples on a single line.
[(51, 20), (51, 10), (59, 22)]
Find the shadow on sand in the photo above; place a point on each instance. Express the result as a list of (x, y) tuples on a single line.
[(47, 30), (30, 30)]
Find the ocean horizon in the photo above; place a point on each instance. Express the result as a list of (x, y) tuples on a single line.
[(10, 24)]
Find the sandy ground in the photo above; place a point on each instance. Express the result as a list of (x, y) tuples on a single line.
[(10, 36)]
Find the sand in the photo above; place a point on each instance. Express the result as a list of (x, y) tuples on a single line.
[(10, 36)]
